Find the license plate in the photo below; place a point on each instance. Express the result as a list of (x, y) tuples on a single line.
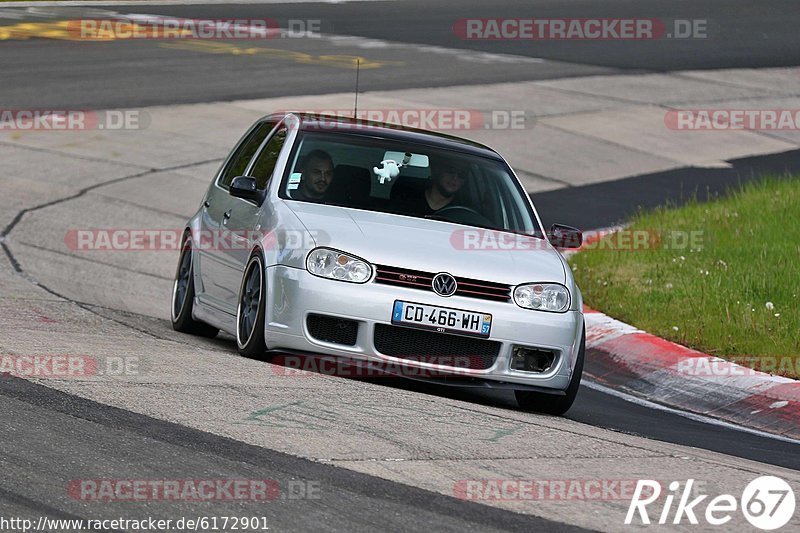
[(442, 319)]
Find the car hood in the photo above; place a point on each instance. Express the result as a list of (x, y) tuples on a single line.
[(431, 245)]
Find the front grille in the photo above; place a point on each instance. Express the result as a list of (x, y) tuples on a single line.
[(417, 279), (333, 329), (437, 348)]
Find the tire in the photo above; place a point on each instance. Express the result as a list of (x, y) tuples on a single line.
[(251, 309), (183, 296), (548, 403)]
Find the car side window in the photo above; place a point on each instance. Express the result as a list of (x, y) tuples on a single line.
[(265, 163), (244, 153)]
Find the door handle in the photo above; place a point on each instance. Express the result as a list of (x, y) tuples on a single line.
[(227, 214)]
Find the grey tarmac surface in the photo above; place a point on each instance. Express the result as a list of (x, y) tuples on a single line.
[(111, 306), (70, 439), (416, 36), (739, 34), (386, 454), (610, 203)]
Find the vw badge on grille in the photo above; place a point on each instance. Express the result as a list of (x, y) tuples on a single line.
[(444, 284)]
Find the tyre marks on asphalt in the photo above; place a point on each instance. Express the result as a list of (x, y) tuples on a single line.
[(315, 415), (8, 229), (78, 439)]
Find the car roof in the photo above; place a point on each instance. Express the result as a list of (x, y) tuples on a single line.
[(331, 123)]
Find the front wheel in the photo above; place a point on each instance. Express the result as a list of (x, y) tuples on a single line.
[(183, 296), (251, 309), (551, 404)]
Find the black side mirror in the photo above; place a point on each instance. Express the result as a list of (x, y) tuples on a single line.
[(245, 187), (562, 236)]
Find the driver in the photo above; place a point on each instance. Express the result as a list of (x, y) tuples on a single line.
[(447, 178), (317, 171)]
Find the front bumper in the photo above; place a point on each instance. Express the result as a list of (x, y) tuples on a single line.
[(293, 294)]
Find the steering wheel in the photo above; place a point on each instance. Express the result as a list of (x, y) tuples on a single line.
[(464, 215)]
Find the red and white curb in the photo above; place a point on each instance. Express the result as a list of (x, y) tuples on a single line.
[(626, 359)]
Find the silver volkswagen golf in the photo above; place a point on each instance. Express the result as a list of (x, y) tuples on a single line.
[(382, 244)]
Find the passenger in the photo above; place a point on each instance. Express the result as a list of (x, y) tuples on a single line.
[(317, 175)]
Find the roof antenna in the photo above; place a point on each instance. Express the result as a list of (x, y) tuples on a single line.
[(358, 69)]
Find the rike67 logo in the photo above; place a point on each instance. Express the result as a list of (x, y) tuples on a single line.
[(767, 502)]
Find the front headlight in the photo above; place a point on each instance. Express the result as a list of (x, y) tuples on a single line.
[(334, 264), (542, 297)]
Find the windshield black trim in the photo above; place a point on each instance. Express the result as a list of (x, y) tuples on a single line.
[(538, 231)]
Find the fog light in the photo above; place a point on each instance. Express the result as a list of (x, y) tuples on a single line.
[(531, 359)]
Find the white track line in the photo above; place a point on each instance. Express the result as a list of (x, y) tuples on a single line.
[(692, 416), (85, 3)]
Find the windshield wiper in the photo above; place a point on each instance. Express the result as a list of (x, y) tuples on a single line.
[(440, 217), (481, 226)]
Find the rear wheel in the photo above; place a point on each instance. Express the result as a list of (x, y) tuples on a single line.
[(183, 296), (251, 309), (549, 403)]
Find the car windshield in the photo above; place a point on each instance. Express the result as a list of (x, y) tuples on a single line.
[(395, 176)]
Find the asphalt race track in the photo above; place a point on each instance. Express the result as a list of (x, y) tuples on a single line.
[(360, 455), (103, 75)]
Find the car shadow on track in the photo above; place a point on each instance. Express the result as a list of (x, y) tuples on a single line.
[(335, 367), (394, 376)]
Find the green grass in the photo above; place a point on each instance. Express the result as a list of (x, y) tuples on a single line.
[(733, 294)]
